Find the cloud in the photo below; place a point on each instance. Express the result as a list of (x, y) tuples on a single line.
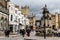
[(36, 5)]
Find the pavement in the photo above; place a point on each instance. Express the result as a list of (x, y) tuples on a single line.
[(32, 37)]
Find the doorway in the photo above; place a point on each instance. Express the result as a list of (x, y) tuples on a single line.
[(53, 27), (11, 28)]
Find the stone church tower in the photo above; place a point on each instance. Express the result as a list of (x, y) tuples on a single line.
[(25, 11)]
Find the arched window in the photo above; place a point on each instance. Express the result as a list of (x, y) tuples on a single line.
[(5, 19), (2, 18)]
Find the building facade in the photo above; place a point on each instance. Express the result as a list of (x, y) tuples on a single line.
[(25, 11), (17, 20), (14, 17), (50, 20), (4, 15), (32, 22)]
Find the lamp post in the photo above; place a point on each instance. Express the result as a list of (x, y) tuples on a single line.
[(45, 16), (44, 27)]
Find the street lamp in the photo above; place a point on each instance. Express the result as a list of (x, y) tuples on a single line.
[(45, 16), (44, 27)]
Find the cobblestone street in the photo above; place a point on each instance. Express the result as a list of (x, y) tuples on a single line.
[(32, 37)]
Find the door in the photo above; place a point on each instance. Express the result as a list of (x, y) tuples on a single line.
[(11, 28)]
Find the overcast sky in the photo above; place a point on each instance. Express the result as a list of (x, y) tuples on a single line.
[(37, 5)]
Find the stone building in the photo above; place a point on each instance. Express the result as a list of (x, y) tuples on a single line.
[(4, 15), (25, 11), (57, 20), (32, 21), (50, 20)]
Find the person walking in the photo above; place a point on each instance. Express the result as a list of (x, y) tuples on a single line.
[(28, 32), (20, 31), (7, 32), (23, 32)]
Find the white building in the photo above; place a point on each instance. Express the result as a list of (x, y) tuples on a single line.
[(17, 20), (26, 21), (14, 16)]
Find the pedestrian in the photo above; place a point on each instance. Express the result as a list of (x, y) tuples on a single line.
[(23, 32), (28, 32), (20, 31), (7, 32)]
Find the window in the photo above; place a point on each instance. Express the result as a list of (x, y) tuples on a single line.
[(5, 19), (18, 13), (11, 17), (18, 20), (2, 18), (9, 5), (16, 17), (1, 24), (11, 8), (15, 11)]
